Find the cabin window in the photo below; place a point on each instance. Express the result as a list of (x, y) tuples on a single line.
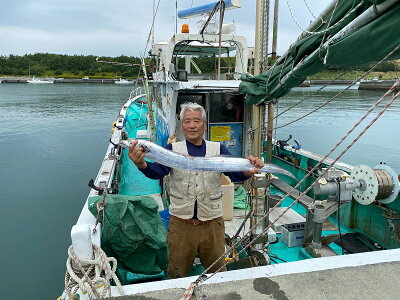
[(183, 98), (226, 108)]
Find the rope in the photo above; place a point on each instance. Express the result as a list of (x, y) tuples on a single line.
[(323, 38), (89, 275), (308, 97), (338, 94), (151, 29), (264, 36), (203, 277), (311, 12), (328, 28)]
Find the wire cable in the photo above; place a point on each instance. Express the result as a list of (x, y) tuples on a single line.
[(203, 277), (309, 96), (338, 94)]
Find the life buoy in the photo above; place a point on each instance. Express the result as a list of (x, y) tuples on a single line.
[(113, 126)]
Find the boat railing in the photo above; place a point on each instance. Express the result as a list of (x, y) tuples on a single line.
[(135, 92)]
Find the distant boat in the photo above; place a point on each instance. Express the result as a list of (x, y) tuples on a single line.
[(123, 81), (39, 81)]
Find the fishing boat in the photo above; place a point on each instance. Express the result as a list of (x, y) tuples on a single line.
[(317, 236), (123, 81), (39, 81)]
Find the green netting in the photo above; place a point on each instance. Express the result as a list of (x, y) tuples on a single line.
[(133, 233), (131, 180), (367, 45)]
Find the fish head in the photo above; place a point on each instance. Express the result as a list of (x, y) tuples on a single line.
[(124, 144), (145, 146)]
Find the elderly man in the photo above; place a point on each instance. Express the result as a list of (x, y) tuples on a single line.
[(196, 224)]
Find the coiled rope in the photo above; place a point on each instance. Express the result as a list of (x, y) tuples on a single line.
[(90, 275)]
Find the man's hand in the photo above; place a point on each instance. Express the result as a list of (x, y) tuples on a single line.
[(136, 154), (257, 163)]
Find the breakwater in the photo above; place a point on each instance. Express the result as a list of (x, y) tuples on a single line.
[(376, 85), (60, 80), (373, 85)]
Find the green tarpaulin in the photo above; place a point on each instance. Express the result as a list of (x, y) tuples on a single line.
[(133, 233), (240, 200), (367, 45)]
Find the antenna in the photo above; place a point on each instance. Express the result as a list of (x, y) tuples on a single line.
[(176, 16), (154, 16)]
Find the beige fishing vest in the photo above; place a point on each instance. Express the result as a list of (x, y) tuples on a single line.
[(185, 187)]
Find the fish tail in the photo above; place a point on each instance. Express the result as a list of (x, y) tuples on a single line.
[(271, 168)]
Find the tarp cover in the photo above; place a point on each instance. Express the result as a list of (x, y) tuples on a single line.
[(133, 232), (367, 45)]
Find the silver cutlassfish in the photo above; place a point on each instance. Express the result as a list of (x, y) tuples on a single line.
[(210, 163)]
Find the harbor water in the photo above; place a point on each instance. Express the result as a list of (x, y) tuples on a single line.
[(53, 139)]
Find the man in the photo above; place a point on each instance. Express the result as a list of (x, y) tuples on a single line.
[(196, 223)]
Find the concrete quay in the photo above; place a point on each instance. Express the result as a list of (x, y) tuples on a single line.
[(60, 80), (377, 85), (370, 275)]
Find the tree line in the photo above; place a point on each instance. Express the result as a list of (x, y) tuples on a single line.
[(76, 66), (58, 65)]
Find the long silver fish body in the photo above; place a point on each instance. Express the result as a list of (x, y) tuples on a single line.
[(221, 164)]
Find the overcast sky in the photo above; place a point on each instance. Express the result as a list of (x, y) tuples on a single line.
[(120, 27)]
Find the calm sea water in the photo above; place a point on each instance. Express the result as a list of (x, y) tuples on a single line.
[(320, 131), (53, 139)]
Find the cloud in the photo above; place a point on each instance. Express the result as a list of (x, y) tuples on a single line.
[(112, 28), (87, 42)]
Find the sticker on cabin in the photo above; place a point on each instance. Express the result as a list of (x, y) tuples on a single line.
[(220, 133)]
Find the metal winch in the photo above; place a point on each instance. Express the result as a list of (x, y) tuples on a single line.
[(365, 184)]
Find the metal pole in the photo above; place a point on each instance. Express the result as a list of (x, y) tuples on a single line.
[(275, 31), (257, 111), (176, 17), (221, 13), (270, 104), (270, 131), (257, 47), (258, 203), (154, 16)]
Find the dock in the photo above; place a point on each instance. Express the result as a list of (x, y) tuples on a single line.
[(60, 80), (370, 275), (331, 82), (377, 85)]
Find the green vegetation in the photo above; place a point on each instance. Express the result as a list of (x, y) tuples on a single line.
[(66, 66), (79, 66), (384, 71)]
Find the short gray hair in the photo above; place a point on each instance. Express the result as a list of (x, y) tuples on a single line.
[(191, 106)]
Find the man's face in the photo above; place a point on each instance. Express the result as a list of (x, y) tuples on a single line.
[(193, 126)]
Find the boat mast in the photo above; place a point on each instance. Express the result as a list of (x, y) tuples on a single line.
[(260, 51), (259, 196), (271, 104)]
